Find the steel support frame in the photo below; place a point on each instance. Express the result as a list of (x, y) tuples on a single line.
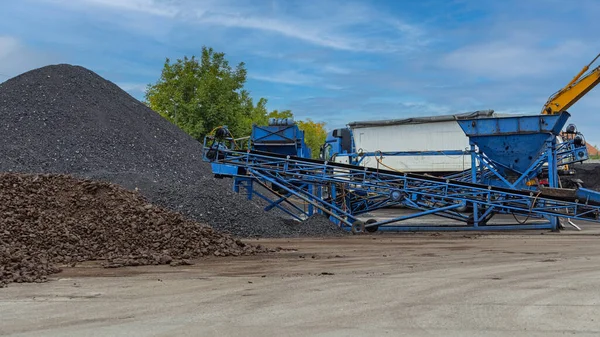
[(426, 195), (277, 199), (488, 168), (566, 153), (358, 157)]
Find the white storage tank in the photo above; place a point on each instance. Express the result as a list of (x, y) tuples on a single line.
[(433, 133)]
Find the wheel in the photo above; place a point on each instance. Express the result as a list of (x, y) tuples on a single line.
[(358, 227), (371, 229)]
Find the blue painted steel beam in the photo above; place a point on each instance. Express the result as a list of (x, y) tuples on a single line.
[(295, 216), (298, 209), (426, 228), (286, 170), (414, 215), (308, 199)]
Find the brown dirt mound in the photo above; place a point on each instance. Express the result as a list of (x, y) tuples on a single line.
[(49, 220)]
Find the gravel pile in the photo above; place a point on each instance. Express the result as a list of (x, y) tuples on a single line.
[(589, 174), (68, 120), (317, 225), (49, 220)]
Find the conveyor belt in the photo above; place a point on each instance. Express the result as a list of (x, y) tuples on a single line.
[(364, 189), (552, 194)]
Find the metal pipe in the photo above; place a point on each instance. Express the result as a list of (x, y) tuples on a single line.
[(312, 202), (415, 215)]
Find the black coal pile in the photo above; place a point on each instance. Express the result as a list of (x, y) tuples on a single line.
[(589, 173), (317, 225), (68, 120), (52, 220)]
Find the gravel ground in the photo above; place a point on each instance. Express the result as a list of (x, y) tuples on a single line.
[(68, 120), (55, 219), (419, 285)]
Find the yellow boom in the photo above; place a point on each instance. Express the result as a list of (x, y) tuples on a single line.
[(572, 92)]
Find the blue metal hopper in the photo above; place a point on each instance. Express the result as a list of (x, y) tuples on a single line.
[(283, 138), (514, 143)]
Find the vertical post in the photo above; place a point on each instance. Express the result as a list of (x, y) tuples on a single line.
[(473, 164), (552, 173), (552, 163), (311, 191), (250, 188), (475, 215), (333, 193), (474, 180), (236, 185), (320, 196)]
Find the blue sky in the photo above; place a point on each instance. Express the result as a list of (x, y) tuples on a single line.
[(333, 61)]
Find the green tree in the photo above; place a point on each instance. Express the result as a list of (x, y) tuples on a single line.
[(280, 114), (314, 135), (200, 94)]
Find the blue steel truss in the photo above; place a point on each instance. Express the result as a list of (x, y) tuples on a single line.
[(343, 192), (485, 170)]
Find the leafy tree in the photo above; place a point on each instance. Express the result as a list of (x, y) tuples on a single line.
[(314, 135), (200, 94), (280, 114), (254, 114)]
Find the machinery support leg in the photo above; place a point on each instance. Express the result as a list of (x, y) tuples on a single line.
[(311, 190), (329, 208), (320, 196), (333, 194), (474, 180), (552, 164), (552, 176), (236, 185), (249, 188), (243, 183)]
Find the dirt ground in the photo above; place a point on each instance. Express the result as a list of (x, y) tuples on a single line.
[(451, 284)]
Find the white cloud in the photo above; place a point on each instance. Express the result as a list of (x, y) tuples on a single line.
[(133, 87), (334, 87), (298, 31), (291, 77), (330, 68), (8, 45), (287, 77), (16, 58), (326, 25), (507, 59), (152, 7)]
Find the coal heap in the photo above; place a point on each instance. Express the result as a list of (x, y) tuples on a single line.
[(589, 173), (66, 119), (53, 220)]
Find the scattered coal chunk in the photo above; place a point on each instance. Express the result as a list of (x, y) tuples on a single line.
[(317, 225), (48, 221)]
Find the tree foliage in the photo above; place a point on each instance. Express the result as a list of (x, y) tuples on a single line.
[(314, 135), (280, 114), (200, 94)]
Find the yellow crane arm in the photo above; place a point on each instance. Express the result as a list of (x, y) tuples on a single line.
[(572, 92)]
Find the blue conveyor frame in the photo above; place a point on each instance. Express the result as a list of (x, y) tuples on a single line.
[(343, 192)]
